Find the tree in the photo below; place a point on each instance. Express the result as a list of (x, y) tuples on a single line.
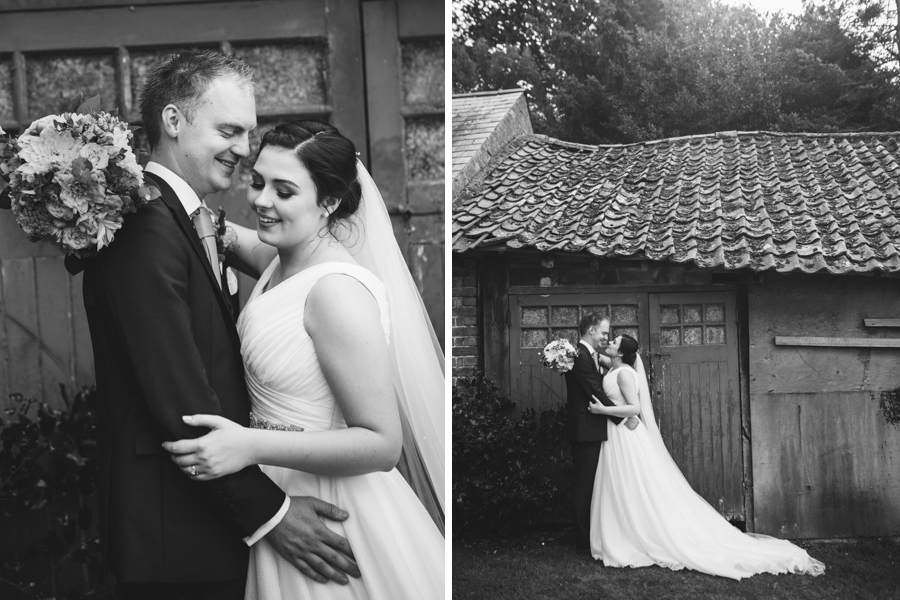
[(623, 70)]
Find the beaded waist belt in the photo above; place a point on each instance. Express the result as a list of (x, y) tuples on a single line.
[(260, 423)]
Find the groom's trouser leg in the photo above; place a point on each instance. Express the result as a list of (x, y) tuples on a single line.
[(585, 456), (211, 590)]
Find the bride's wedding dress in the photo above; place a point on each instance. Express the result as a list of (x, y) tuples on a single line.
[(396, 544), (644, 512)]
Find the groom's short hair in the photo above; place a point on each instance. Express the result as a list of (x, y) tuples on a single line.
[(181, 79), (590, 320)]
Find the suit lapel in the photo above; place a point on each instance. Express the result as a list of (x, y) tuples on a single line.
[(170, 199)]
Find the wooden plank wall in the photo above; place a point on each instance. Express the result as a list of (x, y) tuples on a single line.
[(41, 345), (825, 463)]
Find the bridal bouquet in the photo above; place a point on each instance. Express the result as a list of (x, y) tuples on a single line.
[(559, 355), (71, 178)]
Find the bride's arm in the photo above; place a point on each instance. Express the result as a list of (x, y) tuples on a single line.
[(250, 256), (629, 392), (604, 360), (343, 321)]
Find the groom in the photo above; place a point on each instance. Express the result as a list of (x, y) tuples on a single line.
[(165, 345), (588, 431)]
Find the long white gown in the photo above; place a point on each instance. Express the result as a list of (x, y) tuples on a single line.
[(644, 512), (399, 549)]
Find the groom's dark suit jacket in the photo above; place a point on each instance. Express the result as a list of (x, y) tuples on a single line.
[(165, 345), (582, 381)]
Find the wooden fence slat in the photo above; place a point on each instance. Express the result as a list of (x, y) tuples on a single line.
[(696, 438), (82, 350), (53, 317), (426, 263), (21, 325), (4, 344)]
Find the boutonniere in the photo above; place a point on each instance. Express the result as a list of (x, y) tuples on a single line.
[(226, 236)]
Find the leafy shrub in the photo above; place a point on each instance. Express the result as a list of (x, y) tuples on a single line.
[(48, 469), (509, 471)]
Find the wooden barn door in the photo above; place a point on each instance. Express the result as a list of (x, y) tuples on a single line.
[(539, 319), (694, 382)]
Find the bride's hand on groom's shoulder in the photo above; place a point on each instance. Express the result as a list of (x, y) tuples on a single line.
[(220, 452)]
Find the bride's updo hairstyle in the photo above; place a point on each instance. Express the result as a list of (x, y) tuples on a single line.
[(330, 159), (628, 347)]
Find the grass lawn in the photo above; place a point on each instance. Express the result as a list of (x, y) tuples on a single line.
[(546, 564)]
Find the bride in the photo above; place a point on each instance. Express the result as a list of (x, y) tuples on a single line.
[(343, 371), (644, 512)]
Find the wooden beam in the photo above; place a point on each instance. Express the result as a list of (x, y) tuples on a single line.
[(346, 73), (837, 342), (386, 124), (882, 322), (162, 25), (20, 92), (123, 83)]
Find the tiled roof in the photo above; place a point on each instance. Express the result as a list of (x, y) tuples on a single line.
[(483, 123), (763, 201)]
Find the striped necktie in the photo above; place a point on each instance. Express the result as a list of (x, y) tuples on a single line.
[(203, 223)]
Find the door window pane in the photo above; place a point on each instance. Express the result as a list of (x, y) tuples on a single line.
[(693, 313), (715, 334), (570, 334), (603, 311), (617, 331), (693, 336), (534, 316), (670, 336), (564, 315), (534, 338), (624, 313), (715, 313), (669, 313)]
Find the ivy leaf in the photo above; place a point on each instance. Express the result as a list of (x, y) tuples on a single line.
[(75, 102), (91, 105)]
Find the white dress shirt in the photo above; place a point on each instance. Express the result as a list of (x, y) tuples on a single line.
[(191, 202)]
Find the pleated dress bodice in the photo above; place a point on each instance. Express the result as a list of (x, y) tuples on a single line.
[(283, 375)]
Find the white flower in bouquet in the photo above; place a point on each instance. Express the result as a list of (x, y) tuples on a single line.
[(72, 178), (559, 355)]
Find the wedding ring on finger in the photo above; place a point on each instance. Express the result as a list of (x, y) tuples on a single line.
[(193, 470)]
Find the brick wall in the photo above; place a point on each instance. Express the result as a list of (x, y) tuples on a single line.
[(466, 330)]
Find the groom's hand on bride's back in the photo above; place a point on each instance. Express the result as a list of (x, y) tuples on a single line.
[(302, 539)]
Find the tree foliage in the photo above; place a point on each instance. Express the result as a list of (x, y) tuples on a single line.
[(600, 71)]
